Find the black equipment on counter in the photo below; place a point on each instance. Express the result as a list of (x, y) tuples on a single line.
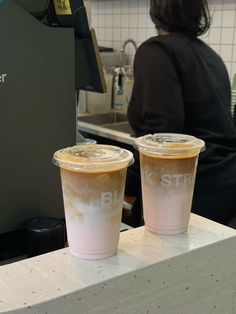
[(45, 234), (88, 67)]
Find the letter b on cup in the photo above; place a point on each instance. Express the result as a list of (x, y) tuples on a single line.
[(108, 198)]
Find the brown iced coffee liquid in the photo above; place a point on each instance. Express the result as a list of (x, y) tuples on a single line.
[(170, 171), (92, 189)]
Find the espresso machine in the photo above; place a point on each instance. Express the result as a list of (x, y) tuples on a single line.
[(47, 54)]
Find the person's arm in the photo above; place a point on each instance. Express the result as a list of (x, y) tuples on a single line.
[(156, 103)]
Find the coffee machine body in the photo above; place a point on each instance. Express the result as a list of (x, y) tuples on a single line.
[(37, 115)]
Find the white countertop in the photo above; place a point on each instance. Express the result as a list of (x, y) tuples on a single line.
[(58, 282)]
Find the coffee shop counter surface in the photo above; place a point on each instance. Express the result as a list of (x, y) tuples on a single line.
[(194, 272)]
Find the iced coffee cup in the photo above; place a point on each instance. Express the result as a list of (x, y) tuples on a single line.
[(168, 168), (93, 182)]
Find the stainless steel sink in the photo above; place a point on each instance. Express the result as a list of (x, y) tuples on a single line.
[(121, 127), (112, 125), (104, 118)]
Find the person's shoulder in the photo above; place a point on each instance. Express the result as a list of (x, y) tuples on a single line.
[(151, 45), (155, 41), (184, 45), (147, 43), (176, 42), (151, 54), (166, 44), (207, 50)]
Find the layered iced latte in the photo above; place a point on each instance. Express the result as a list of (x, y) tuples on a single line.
[(168, 168), (93, 181)]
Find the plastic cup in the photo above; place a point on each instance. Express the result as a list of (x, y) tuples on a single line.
[(93, 182), (168, 165)]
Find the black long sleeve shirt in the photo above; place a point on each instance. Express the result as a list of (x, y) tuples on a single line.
[(181, 85)]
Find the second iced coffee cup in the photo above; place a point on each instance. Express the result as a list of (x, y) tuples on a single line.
[(168, 168), (93, 182)]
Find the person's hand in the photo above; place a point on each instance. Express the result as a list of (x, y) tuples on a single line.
[(130, 199)]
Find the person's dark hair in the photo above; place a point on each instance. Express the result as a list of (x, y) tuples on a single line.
[(190, 17)]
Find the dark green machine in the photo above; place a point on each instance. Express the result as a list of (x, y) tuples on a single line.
[(42, 63)]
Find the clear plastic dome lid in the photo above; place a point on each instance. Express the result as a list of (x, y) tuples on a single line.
[(92, 157), (169, 144)]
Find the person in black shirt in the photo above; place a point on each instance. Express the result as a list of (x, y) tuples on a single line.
[(182, 86)]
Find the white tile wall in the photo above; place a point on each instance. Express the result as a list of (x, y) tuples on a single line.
[(117, 20)]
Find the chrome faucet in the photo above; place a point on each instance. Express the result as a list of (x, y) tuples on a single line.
[(120, 75), (126, 42), (122, 50)]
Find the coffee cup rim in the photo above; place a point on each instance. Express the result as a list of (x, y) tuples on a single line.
[(172, 144), (97, 157)]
